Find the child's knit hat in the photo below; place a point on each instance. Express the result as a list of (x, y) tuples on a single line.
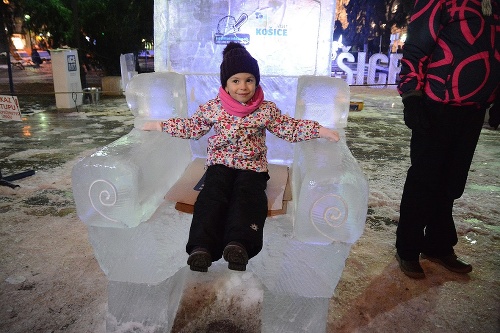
[(236, 59)]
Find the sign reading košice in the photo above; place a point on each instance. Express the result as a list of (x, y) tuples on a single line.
[(9, 108)]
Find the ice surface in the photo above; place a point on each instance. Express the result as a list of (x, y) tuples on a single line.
[(127, 68), (290, 281), (139, 239), (149, 253), (331, 193), (286, 263), (324, 99), (288, 313), (153, 307), (331, 189), (156, 96), (122, 184), (287, 38)]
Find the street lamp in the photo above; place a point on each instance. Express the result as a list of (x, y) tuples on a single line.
[(27, 19)]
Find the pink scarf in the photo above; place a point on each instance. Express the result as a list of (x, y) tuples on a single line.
[(235, 108)]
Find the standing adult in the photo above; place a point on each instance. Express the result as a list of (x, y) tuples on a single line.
[(449, 76)]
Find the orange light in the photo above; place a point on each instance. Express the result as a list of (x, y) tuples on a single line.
[(27, 130)]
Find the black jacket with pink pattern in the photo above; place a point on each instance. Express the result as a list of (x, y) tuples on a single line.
[(452, 53)]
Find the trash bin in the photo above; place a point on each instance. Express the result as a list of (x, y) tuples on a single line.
[(91, 95)]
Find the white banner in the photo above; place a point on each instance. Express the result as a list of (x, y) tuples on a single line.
[(9, 108), (380, 70)]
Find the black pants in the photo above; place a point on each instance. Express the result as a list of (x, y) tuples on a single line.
[(232, 206), (440, 160)]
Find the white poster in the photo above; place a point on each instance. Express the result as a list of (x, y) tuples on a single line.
[(9, 108), (286, 37)]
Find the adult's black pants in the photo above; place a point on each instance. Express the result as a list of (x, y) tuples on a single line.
[(440, 161)]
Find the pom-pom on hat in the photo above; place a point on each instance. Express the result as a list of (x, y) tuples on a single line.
[(236, 59)]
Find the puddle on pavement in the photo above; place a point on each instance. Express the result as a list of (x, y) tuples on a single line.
[(36, 103), (48, 139)]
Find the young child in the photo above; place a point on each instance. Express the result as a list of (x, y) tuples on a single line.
[(231, 209)]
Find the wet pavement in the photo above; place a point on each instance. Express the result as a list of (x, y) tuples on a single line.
[(48, 137), (40, 239)]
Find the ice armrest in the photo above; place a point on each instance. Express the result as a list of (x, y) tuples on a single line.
[(324, 99), (123, 183), (158, 95), (330, 191)]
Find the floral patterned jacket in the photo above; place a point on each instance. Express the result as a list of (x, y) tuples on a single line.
[(240, 142)]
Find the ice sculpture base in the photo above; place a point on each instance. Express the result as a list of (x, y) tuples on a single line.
[(286, 288), (139, 238)]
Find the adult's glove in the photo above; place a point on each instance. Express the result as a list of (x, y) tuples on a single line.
[(494, 119), (415, 113)]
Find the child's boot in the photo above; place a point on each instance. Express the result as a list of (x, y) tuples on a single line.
[(236, 255), (199, 260)]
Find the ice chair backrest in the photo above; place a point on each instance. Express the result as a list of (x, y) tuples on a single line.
[(158, 95), (162, 95)]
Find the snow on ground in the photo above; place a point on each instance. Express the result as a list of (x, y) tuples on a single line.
[(50, 281)]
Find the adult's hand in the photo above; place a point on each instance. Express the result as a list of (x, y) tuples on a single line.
[(494, 114), (415, 113)]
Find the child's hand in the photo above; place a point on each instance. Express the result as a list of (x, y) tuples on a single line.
[(329, 134), (151, 126)]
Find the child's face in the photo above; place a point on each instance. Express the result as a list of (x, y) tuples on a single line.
[(241, 87)]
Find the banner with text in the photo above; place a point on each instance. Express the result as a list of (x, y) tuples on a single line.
[(9, 108)]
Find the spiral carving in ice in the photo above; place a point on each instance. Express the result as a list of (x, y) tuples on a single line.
[(328, 215), (102, 194)]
